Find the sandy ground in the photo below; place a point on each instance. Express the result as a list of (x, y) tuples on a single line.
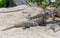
[(33, 32), (9, 19)]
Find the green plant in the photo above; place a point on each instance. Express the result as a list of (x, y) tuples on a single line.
[(58, 1), (43, 2), (2, 3)]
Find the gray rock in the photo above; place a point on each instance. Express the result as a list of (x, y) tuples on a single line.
[(20, 2)]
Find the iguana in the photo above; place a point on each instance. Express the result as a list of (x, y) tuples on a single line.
[(31, 21)]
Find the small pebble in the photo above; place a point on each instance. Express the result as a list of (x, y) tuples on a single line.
[(9, 14)]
